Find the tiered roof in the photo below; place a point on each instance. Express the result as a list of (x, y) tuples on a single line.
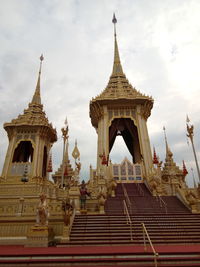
[(34, 114)]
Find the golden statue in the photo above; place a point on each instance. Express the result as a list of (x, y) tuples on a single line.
[(42, 211)]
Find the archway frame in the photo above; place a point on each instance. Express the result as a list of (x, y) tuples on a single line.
[(22, 140), (126, 128)]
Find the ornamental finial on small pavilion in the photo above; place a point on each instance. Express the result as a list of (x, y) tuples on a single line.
[(36, 97), (168, 151), (185, 172), (155, 158)]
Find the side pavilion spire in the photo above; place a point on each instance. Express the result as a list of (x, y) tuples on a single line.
[(36, 97)]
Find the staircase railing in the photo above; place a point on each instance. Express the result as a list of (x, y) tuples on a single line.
[(128, 219), (163, 203), (72, 220), (127, 198), (140, 190), (145, 233)]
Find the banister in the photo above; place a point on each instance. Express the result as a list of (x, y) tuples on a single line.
[(156, 255), (163, 203), (127, 197), (141, 192), (72, 220), (128, 219)]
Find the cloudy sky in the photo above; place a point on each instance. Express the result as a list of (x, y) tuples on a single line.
[(159, 43)]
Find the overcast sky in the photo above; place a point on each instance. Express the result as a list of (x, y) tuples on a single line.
[(159, 43)]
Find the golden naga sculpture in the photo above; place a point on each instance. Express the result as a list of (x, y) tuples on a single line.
[(191, 197)]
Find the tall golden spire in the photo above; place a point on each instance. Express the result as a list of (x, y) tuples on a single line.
[(118, 88), (117, 68), (36, 97)]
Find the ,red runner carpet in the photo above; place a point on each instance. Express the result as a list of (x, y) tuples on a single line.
[(83, 250)]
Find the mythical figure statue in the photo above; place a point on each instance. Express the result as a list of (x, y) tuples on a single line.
[(83, 195), (68, 210), (42, 211), (78, 167), (111, 187), (191, 197), (155, 182)]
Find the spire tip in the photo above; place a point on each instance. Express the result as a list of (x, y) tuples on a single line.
[(114, 20), (41, 57)]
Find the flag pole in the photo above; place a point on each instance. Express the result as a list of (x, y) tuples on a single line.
[(190, 134), (64, 136)]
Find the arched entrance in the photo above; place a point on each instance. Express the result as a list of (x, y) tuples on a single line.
[(127, 129), (44, 165), (23, 152)]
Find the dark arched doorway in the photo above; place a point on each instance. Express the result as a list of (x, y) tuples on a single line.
[(44, 165), (127, 129), (23, 152)]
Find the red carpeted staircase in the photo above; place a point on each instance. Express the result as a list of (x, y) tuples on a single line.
[(113, 229), (80, 256), (142, 202), (105, 240)]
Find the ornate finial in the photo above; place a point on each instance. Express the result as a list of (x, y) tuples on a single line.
[(155, 158), (114, 21), (66, 124), (117, 68), (36, 98), (65, 130), (185, 172), (190, 129), (165, 135), (41, 59), (187, 119), (65, 136), (76, 153), (168, 152)]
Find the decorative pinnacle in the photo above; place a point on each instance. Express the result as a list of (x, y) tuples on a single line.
[(41, 59), (75, 152), (114, 21), (190, 129), (65, 130), (117, 68), (66, 122), (36, 97), (168, 152)]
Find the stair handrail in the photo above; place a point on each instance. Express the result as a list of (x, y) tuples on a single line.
[(156, 255), (163, 203), (127, 197), (128, 219), (72, 220), (141, 192)]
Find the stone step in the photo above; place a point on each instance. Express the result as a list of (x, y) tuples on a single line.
[(104, 260), (195, 234)]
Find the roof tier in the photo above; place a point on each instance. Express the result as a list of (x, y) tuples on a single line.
[(119, 90)]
